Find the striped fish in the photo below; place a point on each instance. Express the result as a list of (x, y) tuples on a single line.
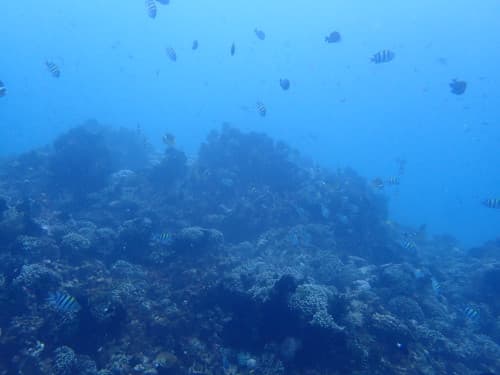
[(63, 302), (392, 181), (471, 313), (260, 34), (409, 245), (378, 183), (162, 238), (491, 203), (3, 90), (53, 69), (383, 56), (171, 53), (151, 8), (436, 286), (261, 108), (169, 139)]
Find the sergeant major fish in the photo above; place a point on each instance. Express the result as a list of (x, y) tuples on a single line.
[(436, 286), (162, 238), (470, 313), (402, 165), (378, 183), (392, 181), (171, 54), (151, 8), (53, 69), (383, 56), (63, 302), (491, 203), (261, 108), (409, 245), (333, 37), (260, 34), (285, 83), (458, 87), (169, 140)]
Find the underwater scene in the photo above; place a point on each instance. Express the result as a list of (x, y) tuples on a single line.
[(249, 187)]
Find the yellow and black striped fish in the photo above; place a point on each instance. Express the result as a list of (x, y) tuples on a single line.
[(63, 302), (491, 203), (171, 53), (53, 69), (151, 8), (162, 238), (169, 139), (378, 183), (409, 245), (383, 56), (3, 90), (261, 108), (402, 166), (470, 313), (392, 181)]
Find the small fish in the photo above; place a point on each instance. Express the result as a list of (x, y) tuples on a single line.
[(383, 56), (334, 37), (409, 245), (163, 238), (169, 139), (151, 8), (284, 83), (233, 49), (260, 34), (418, 233), (410, 234), (402, 166), (458, 87), (63, 302), (378, 183), (53, 69), (436, 286), (194, 46), (419, 274), (171, 53), (325, 212), (471, 313), (491, 203), (3, 90), (402, 347), (261, 108), (392, 181), (442, 60)]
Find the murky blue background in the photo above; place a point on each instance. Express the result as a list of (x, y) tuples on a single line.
[(341, 110)]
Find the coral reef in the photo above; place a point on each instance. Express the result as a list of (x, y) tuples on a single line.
[(246, 260)]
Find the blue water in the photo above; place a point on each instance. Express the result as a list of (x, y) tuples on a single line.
[(341, 110)]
